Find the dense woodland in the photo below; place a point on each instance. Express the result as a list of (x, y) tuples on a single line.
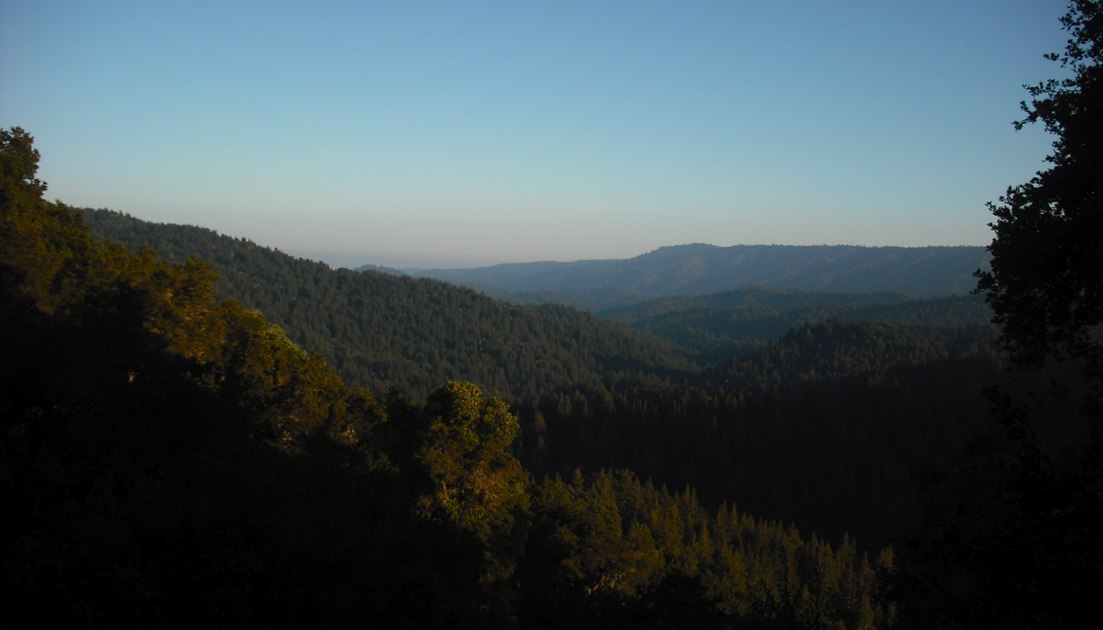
[(379, 330), (176, 460), (722, 325), (198, 431), (822, 425)]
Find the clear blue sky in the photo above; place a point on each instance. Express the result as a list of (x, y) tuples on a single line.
[(456, 133)]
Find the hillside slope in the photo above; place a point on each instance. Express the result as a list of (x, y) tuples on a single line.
[(721, 325), (379, 329)]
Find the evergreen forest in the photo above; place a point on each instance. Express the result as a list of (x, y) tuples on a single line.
[(200, 431)]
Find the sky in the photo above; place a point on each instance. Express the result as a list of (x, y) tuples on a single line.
[(452, 134)]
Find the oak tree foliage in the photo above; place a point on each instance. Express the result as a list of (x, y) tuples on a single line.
[(1045, 284)]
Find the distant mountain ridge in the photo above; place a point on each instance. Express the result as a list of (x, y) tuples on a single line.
[(700, 269)]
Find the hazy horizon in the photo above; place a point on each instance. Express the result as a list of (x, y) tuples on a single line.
[(456, 135), (348, 259)]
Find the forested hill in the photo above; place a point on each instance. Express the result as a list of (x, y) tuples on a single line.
[(174, 460), (697, 269), (823, 427), (379, 329), (722, 325)]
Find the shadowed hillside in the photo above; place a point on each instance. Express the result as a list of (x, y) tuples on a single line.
[(721, 325)]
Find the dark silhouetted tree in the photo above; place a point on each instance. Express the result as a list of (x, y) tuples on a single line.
[(1011, 532), (1046, 280)]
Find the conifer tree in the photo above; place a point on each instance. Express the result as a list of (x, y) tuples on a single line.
[(477, 483)]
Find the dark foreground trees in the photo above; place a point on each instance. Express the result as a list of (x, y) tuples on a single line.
[(168, 460), (1046, 280), (1012, 532)]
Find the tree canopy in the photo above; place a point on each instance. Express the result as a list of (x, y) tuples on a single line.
[(171, 460), (1010, 532), (1045, 284)]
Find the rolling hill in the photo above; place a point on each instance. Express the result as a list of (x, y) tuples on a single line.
[(721, 325), (379, 329), (700, 269)]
